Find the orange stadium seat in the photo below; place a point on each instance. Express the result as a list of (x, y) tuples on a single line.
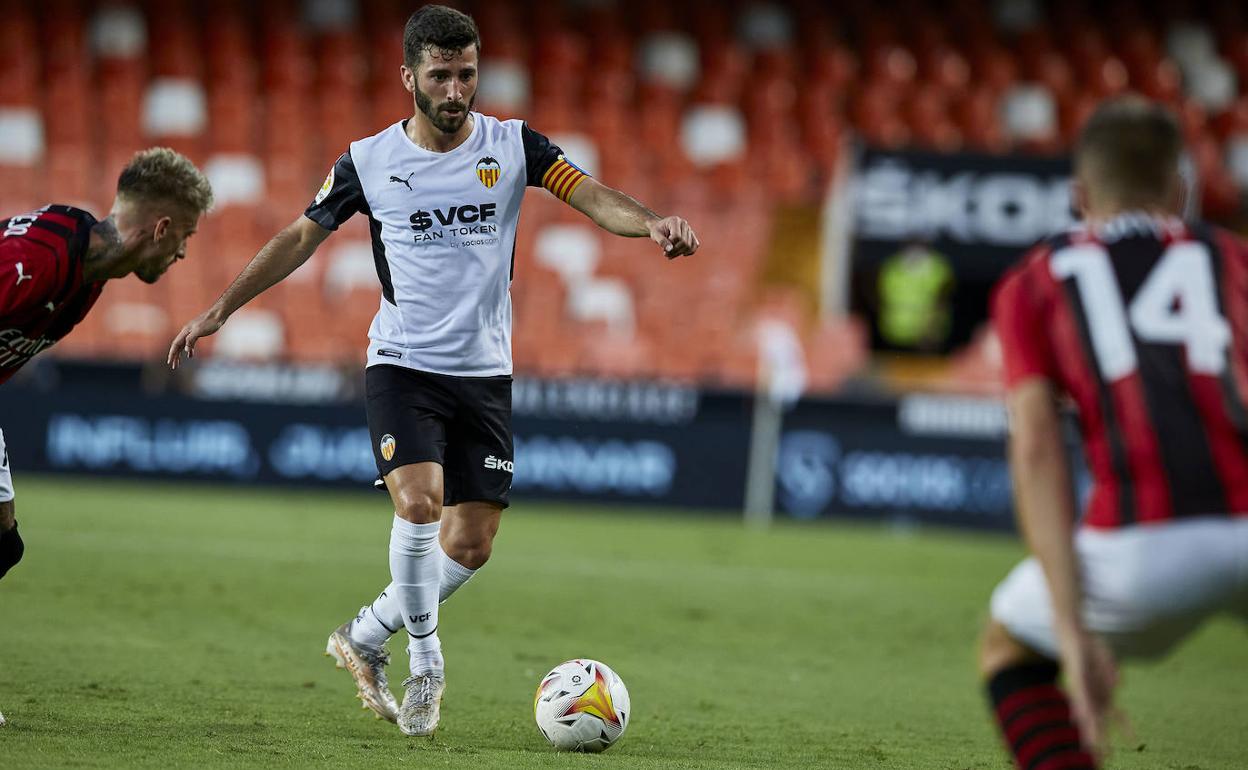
[(1051, 69)]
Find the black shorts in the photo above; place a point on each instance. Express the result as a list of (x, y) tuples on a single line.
[(461, 423)]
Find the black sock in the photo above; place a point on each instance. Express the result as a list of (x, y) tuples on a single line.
[(1034, 716)]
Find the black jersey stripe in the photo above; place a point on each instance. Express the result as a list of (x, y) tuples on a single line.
[(1182, 442), (1113, 433), (79, 237), (1186, 456), (379, 260), (56, 228)]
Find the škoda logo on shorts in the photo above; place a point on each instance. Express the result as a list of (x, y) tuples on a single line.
[(387, 447)]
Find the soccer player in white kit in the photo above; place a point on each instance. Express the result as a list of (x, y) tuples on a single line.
[(442, 192), (1142, 319)]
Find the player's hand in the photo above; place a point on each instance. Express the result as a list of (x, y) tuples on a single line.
[(1091, 676), (675, 236), (203, 325)]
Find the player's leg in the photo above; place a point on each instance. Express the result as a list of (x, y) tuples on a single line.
[(1032, 713), (467, 538), (11, 546), (416, 571), (409, 601), (1145, 589), (479, 472), (415, 559), (407, 412)]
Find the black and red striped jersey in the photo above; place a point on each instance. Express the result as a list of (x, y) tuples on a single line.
[(1144, 323), (42, 293)]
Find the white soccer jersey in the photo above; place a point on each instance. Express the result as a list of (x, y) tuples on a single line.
[(444, 231)]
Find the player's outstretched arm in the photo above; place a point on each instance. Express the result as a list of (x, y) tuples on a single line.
[(617, 213), (1046, 514), (279, 258)]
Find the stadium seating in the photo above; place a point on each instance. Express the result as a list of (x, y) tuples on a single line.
[(714, 110)]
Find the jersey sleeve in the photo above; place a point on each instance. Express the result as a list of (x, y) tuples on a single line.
[(340, 197), (546, 166), (1020, 318)]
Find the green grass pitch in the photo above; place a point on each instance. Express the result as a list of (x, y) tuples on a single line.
[(183, 626)]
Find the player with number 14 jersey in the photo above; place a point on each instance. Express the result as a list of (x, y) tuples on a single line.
[(1143, 321)]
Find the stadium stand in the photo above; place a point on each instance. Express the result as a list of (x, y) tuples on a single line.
[(718, 110)]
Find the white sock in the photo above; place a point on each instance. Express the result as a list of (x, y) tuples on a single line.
[(379, 621), (416, 569), (382, 619), (454, 575)]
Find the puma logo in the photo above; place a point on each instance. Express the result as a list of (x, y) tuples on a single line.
[(405, 182), (21, 276)]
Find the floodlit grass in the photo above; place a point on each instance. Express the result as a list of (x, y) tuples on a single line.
[(182, 626)]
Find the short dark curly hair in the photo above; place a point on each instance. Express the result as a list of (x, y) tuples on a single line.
[(437, 26)]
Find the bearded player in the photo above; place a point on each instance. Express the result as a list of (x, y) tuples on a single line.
[(1142, 320), (442, 192)]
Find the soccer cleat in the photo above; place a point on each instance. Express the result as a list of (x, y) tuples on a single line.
[(421, 704), (368, 668), (2, 722)]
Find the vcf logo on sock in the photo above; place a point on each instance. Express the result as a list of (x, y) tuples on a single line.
[(420, 618)]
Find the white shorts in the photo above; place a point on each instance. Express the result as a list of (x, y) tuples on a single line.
[(6, 478), (1145, 587)]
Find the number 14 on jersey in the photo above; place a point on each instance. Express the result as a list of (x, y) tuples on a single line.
[(1177, 304)]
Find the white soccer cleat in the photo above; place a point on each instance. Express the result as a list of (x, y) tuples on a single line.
[(2, 722), (422, 704), (368, 668)]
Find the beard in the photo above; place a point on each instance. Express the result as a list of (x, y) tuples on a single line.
[(149, 275), (441, 120)]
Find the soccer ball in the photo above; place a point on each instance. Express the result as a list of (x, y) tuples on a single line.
[(582, 705)]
